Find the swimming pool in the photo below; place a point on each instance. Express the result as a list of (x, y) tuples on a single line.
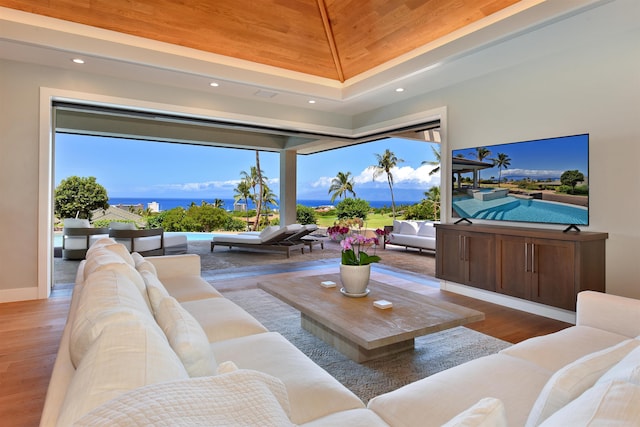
[(191, 237), (525, 210)]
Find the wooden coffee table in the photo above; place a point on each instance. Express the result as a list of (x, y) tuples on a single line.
[(358, 329)]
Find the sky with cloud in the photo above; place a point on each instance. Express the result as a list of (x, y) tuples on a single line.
[(129, 168)]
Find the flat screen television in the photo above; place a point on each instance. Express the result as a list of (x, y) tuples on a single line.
[(540, 181)]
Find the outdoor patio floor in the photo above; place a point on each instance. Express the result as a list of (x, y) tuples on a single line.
[(235, 262)]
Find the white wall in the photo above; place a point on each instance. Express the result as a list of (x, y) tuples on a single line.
[(587, 83)]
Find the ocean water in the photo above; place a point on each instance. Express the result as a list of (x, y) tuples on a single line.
[(168, 203)]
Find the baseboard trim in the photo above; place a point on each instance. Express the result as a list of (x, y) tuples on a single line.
[(511, 302), (18, 294)]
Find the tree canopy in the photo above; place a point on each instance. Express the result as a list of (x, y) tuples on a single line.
[(78, 197), (571, 178)]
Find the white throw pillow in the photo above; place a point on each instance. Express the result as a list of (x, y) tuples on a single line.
[(142, 264), (268, 231), (239, 398), (122, 226), (572, 380), (115, 248), (427, 230), (124, 357), (155, 290), (76, 223), (408, 228), (294, 227), (607, 404), (628, 369), (107, 297), (488, 412), (186, 337)]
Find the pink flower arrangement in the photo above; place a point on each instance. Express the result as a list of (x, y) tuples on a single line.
[(352, 244)]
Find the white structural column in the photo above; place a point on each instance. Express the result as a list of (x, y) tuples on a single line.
[(288, 179)]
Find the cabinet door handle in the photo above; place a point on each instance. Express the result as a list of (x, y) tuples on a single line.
[(526, 257), (533, 257), (465, 254)]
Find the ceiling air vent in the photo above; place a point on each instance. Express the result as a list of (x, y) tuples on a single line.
[(265, 94)]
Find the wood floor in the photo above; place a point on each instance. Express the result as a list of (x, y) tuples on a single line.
[(30, 332)]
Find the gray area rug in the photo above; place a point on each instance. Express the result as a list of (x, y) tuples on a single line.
[(432, 353)]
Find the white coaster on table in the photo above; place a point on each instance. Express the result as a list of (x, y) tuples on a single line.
[(383, 303), (328, 284)]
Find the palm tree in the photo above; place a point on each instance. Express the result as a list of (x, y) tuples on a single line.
[(243, 192), (341, 185), (502, 161), (269, 198), (218, 203), (435, 163), (482, 153), (434, 196), (386, 162), (261, 183), (256, 181)]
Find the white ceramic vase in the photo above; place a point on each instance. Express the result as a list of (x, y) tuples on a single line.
[(355, 278)]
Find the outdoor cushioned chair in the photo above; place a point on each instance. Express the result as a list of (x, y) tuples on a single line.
[(303, 236), (270, 239), (77, 236), (145, 242)]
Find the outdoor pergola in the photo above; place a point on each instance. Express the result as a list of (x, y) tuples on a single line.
[(460, 165)]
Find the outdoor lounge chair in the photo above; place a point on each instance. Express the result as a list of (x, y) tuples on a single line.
[(304, 236), (270, 239)]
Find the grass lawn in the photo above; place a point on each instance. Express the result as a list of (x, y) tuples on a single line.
[(373, 220)]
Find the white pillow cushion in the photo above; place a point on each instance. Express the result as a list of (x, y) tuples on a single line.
[(155, 290), (396, 226), (76, 223), (142, 264), (613, 403), (488, 412), (426, 230), (628, 369), (107, 297), (572, 380), (100, 258), (125, 356), (122, 225), (409, 228), (240, 398), (186, 337), (294, 227), (268, 231), (115, 248)]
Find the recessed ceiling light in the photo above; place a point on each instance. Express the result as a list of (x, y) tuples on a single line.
[(400, 89), (78, 61), (312, 101), (214, 84)]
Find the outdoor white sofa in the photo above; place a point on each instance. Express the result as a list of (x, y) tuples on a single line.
[(148, 339), (412, 234), (148, 242)]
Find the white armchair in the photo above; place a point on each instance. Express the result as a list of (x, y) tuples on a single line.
[(78, 235), (146, 242)]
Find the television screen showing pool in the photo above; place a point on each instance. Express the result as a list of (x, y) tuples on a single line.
[(540, 181)]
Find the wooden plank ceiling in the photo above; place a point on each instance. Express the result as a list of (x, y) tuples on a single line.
[(335, 39)]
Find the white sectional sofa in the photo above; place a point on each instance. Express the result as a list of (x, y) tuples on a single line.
[(412, 234), (137, 324), (149, 342)]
